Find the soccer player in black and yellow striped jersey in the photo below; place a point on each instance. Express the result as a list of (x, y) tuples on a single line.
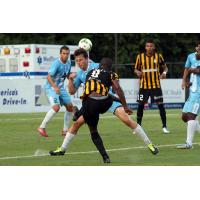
[(92, 98), (148, 68)]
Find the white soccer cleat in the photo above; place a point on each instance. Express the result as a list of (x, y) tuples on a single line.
[(184, 146), (165, 130)]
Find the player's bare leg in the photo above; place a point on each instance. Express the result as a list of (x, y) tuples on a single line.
[(69, 137), (137, 129)]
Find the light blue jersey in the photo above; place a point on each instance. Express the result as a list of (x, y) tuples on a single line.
[(58, 72), (192, 62), (192, 105), (81, 75)]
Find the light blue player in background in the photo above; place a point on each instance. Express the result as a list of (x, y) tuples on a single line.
[(55, 91), (191, 108)]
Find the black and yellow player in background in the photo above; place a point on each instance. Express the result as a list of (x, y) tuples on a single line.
[(150, 68)]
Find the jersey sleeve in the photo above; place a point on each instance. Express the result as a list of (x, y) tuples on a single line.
[(188, 62), (53, 68), (161, 60), (94, 65), (70, 66), (138, 63), (77, 81)]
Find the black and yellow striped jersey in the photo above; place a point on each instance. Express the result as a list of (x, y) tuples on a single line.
[(99, 81), (150, 66)]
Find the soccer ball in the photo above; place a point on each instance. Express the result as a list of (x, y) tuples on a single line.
[(85, 44)]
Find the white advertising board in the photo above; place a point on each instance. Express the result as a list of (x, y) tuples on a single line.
[(21, 95), (171, 88)]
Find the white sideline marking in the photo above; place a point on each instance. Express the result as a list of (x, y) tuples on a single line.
[(89, 152), (102, 117)]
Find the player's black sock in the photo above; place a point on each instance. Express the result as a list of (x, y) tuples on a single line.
[(99, 143), (140, 113), (162, 114)]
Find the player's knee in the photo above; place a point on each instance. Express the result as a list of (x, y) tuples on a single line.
[(184, 117), (69, 108), (94, 134), (141, 106), (191, 116), (56, 108)]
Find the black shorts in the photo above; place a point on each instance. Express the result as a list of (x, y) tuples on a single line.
[(91, 108), (155, 94)]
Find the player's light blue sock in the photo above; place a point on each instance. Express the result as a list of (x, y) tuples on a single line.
[(67, 119)]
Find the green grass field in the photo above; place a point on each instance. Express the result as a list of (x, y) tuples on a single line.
[(21, 145)]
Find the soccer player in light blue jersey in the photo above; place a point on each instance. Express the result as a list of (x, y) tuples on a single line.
[(191, 108), (121, 111), (55, 91)]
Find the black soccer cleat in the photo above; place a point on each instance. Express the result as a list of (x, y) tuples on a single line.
[(57, 152), (106, 159)]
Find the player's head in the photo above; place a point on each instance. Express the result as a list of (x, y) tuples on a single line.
[(197, 50), (64, 53), (150, 46), (106, 63), (198, 47), (81, 58)]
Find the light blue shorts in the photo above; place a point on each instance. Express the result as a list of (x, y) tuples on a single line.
[(114, 106), (63, 98), (192, 105)]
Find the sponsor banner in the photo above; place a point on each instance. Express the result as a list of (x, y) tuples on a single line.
[(23, 95), (171, 88), (154, 106)]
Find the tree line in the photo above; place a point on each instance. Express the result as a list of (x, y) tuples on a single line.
[(174, 46), (121, 47)]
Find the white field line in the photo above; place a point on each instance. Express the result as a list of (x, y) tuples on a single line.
[(91, 152), (102, 117)]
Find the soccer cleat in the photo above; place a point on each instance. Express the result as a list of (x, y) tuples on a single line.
[(165, 130), (106, 159), (184, 146), (42, 132), (77, 114), (63, 133), (57, 152), (153, 149)]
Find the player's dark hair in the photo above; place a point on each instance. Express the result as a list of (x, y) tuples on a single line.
[(197, 43), (64, 48), (81, 51), (149, 41), (106, 63)]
